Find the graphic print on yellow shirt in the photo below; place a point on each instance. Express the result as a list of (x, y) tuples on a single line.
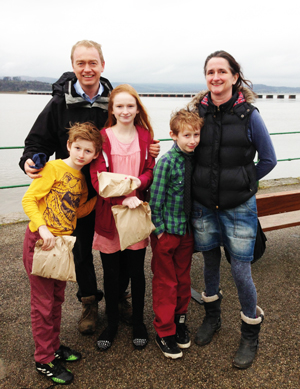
[(57, 199), (62, 202)]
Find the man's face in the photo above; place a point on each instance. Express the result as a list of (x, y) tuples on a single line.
[(87, 67)]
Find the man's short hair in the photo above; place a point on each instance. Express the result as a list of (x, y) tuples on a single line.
[(88, 44), (86, 131), (182, 118)]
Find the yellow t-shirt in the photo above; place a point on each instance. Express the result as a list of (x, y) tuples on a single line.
[(57, 199)]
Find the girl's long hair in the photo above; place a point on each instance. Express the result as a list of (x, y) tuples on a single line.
[(142, 119)]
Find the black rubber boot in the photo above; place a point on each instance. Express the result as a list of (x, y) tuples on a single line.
[(249, 340), (212, 321)]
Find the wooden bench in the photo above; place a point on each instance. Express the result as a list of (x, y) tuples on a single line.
[(275, 211), (278, 210)]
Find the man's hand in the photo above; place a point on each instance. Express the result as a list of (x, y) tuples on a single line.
[(154, 148), (31, 172), (48, 238), (131, 202)]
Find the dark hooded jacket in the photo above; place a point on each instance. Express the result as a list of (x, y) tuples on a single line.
[(49, 133), (224, 175)]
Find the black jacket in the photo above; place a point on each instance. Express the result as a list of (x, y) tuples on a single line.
[(49, 133), (224, 175)]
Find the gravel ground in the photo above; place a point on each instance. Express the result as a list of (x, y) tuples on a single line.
[(277, 364)]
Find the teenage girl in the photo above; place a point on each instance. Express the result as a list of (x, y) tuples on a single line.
[(127, 137)]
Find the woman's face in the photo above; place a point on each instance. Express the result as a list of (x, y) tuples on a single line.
[(219, 78)]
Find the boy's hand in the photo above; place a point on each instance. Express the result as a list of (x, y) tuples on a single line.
[(131, 202), (48, 238), (31, 172), (154, 148), (160, 235)]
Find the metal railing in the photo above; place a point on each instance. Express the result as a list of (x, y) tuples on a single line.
[(161, 140)]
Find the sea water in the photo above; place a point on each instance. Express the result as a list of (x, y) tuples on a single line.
[(19, 111)]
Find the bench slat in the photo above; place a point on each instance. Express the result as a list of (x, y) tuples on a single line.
[(274, 203), (283, 220)]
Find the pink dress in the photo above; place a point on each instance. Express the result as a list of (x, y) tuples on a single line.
[(126, 158)]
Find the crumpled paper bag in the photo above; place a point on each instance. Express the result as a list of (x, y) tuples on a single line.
[(57, 263), (114, 184), (133, 225)]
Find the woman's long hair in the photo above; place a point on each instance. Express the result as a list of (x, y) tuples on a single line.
[(234, 66), (142, 119)]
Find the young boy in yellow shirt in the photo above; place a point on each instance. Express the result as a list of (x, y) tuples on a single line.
[(53, 203)]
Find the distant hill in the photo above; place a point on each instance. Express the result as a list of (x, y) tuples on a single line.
[(24, 83), (163, 88), (23, 86), (261, 88), (48, 80)]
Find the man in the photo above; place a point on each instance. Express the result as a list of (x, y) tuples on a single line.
[(82, 97)]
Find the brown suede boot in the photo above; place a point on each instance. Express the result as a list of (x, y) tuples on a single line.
[(89, 315)]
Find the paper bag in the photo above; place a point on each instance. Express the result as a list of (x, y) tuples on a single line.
[(133, 225), (114, 184), (57, 263)]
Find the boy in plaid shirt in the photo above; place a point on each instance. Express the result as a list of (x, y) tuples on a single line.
[(172, 241)]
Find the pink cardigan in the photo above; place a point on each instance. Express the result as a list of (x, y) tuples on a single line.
[(104, 223)]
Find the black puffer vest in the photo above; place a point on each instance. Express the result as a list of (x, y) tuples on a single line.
[(224, 175)]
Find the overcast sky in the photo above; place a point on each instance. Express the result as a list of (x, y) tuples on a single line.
[(161, 41)]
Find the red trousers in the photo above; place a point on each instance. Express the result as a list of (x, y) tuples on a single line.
[(171, 283), (47, 296)]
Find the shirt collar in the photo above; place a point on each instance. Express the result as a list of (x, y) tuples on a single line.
[(178, 149), (81, 92)]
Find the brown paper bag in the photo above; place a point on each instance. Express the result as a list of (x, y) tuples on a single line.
[(133, 225), (114, 184), (57, 263)]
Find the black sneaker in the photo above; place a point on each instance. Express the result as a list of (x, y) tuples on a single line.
[(54, 370), (182, 332), (66, 354), (169, 346)]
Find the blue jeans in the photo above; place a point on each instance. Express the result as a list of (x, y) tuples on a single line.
[(233, 228)]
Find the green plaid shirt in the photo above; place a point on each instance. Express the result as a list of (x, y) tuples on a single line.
[(167, 192)]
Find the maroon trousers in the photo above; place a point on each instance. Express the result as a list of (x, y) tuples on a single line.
[(171, 283), (47, 296)]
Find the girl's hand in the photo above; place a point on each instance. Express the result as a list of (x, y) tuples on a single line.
[(48, 238), (131, 202), (154, 148), (134, 179)]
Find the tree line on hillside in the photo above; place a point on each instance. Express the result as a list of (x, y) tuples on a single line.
[(13, 85)]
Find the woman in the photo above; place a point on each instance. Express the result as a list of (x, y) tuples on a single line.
[(224, 187)]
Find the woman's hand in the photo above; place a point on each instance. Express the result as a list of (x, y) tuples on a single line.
[(131, 202), (154, 148), (48, 238), (31, 172)]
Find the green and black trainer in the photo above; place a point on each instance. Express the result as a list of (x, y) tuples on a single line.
[(66, 354), (54, 370)]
